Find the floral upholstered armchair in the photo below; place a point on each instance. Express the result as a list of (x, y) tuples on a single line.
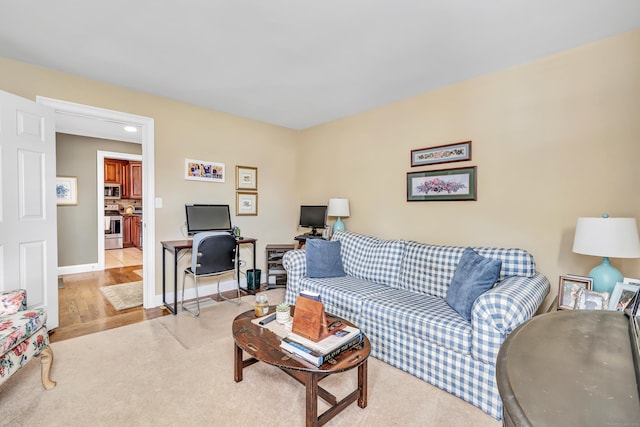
[(23, 336)]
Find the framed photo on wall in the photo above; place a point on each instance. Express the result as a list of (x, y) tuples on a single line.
[(246, 178), (203, 170), (246, 203), (67, 190)]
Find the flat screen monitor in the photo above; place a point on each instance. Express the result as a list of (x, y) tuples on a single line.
[(207, 218), (313, 217)]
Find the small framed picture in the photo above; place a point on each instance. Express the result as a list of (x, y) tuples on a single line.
[(246, 178), (592, 300), (67, 190), (246, 203), (623, 294), (568, 289), (631, 281)]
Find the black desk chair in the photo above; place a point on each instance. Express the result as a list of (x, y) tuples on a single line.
[(213, 254)]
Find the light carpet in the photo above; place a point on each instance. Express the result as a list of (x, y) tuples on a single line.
[(178, 370), (124, 295)]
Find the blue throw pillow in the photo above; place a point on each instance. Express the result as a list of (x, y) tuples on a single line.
[(323, 258), (474, 275)]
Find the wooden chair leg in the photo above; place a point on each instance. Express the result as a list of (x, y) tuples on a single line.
[(46, 359)]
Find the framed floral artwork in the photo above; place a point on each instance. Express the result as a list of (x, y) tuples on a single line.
[(67, 190), (458, 152), (442, 185)]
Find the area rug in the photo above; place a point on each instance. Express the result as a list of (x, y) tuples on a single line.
[(141, 375), (123, 296), (138, 272)]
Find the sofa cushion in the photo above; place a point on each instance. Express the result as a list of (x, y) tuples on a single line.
[(424, 317), (370, 258), (429, 269), (343, 296), (323, 258), (474, 275), (16, 327)]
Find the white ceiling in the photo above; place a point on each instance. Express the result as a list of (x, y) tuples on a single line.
[(298, 63)]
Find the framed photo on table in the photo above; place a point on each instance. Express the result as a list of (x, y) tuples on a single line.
[(568, 289), (592, 300), (622, 295)]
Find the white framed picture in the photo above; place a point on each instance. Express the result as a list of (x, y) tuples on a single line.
[(622, 295), (67, 190), (203, 170)]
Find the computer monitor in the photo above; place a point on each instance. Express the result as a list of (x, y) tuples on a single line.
[(313, 217), (207, 218)]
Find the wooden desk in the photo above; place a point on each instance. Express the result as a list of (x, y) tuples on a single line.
[(569, 368), (175, 247)]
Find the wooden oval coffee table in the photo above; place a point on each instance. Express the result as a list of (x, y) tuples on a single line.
[(264, 346)]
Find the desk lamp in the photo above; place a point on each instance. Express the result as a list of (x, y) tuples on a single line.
[(606, 237), (338, 207)]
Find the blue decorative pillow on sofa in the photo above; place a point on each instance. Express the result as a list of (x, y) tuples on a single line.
[(474, 276), (323, 258)]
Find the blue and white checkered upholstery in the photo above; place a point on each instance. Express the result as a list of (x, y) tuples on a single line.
[(394, 291), (369, 258)]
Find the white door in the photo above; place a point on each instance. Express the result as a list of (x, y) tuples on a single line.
[(28, 239)]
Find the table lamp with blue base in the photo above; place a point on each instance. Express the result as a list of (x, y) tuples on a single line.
[(607, 237), (338, 208)]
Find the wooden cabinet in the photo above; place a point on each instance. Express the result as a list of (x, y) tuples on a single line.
[(132, 181), (132, 225), (136, 230), (113, 171), (135, 180)]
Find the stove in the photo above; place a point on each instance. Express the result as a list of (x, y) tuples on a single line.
[(113, 236)]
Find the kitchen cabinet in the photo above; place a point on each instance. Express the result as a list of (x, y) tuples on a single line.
[(132, 181), (113, 171), (132, 225), (127, 234), (136, 230)]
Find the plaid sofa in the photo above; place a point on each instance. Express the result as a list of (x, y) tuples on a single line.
[(394, 291)]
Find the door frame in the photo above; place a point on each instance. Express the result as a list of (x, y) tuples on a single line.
[(101, 155), (146, 124)]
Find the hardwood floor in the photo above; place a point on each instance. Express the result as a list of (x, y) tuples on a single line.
[(84, 310)]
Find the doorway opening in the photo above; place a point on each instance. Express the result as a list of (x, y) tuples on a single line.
[(77, 119)]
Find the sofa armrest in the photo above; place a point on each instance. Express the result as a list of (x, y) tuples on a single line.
[(497, 312), (12, 301), (295, 263)]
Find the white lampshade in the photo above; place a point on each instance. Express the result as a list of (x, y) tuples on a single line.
[(338, 207), (607, 237)]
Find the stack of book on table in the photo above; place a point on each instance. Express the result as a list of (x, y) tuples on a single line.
[(326, 349)]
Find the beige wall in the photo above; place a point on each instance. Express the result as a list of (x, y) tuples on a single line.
[(553, 140), (186, 131), (77, 224)]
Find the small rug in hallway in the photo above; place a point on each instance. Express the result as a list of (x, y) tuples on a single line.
[(138, 272), (123, 296)]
